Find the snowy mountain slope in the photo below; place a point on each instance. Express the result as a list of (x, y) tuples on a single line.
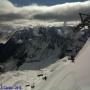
[(81, 67), (72, 76), (34, 53), (62, 75)]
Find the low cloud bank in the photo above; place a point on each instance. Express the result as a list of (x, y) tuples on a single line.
[(60, 12)]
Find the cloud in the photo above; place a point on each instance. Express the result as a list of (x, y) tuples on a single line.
[(61, 12), (10, 17), (57, 13), (6, 7)]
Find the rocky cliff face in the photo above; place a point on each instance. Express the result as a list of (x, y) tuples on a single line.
[(37, 44)]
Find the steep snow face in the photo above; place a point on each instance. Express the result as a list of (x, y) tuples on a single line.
[(35, 45), (82, 67)]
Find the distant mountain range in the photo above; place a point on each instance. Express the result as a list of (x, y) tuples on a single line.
[(35, 44)]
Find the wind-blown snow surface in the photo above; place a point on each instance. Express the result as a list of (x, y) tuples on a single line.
[(62, 75)]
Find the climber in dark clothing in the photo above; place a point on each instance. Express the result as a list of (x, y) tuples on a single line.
[(72, 58), (45, 78)]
